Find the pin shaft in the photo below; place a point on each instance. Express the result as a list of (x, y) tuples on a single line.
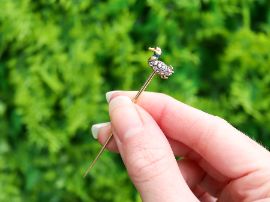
[(135, 99), (98, 155), (146, 83)]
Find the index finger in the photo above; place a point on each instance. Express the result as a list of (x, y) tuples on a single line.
[(225, 148)]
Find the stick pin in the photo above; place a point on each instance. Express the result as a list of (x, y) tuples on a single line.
[(159, 68)]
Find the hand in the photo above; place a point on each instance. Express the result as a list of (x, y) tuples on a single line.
[(218, 161)]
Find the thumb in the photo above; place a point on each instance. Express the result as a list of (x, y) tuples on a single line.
[(146, 153)]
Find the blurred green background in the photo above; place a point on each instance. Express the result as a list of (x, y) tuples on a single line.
[(59, 57)]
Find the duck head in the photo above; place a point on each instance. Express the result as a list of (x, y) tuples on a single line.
[(157, 51)]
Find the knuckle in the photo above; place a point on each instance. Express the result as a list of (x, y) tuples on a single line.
[(162, 96), (215, 127), (251, 190), (218, 125), (220, 122)]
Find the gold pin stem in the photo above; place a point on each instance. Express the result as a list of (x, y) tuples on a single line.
[(98, 155), (135, 99), (146, 83)]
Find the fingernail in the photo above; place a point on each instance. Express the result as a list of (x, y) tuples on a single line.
[(96, 127), (109, 95)]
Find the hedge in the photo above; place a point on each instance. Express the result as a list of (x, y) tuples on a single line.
[(58, 58)]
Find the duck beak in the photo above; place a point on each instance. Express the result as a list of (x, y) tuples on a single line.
[(151, 49)]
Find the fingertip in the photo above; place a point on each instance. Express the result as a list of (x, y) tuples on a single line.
[(103, 137), (118, 100), (109, 95), (96, 128), (101, 132), (124, 116), (112, 94)]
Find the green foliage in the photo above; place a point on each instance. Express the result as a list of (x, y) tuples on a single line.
[(58, 58)]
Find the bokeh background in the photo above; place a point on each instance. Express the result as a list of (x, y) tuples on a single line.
[(59, 57)]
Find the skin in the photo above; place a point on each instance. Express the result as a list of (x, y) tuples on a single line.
[(219, 163)]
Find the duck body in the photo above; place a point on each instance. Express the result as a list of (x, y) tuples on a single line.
[(160, 67)]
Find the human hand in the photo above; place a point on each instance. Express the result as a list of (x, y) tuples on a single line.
[(219, 162)]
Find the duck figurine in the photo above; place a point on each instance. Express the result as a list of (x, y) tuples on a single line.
[(158, 66)]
